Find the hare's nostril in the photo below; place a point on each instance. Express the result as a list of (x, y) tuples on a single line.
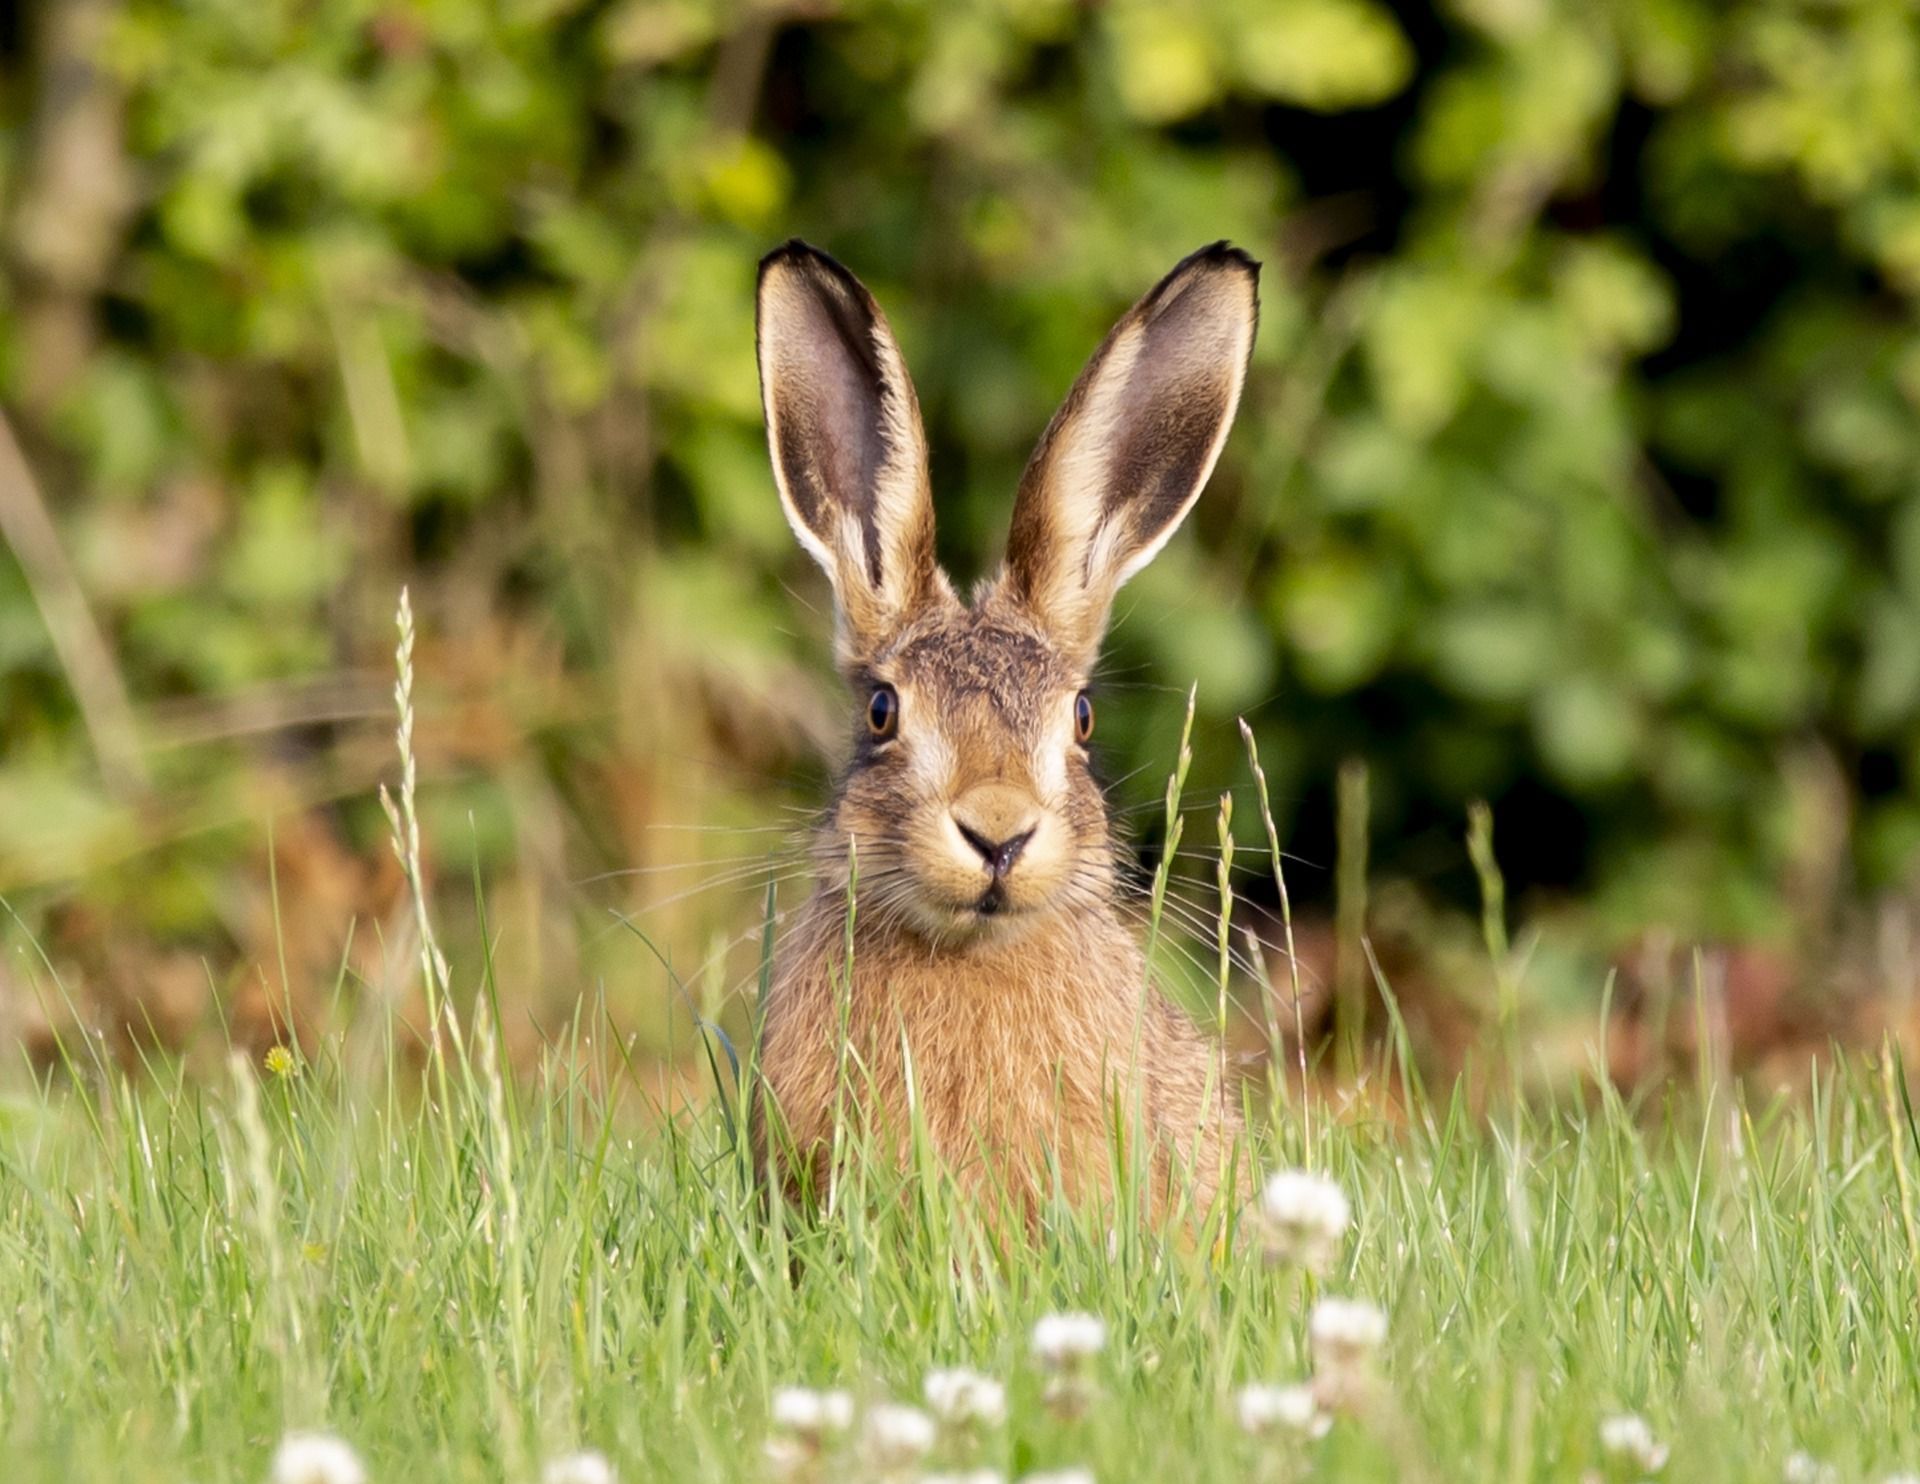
[(1010, 852), (977, 840), (999, 855)]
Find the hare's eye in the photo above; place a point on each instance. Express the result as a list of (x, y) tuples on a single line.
[(1083, 717), (883, 712)]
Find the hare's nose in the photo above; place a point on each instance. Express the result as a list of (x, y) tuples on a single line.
[(998, 854), (997, 820)]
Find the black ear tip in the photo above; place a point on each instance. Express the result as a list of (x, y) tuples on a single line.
[(792, 252), (796, 253), (1224, 254), (1215, 258)]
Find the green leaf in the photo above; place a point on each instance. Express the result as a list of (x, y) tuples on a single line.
[(1589, 732), (1322, 54), (1338, 611), (1493, 653), (1164, 61)]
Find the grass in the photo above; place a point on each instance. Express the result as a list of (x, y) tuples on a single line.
[(466, 1274), (464, 1288)]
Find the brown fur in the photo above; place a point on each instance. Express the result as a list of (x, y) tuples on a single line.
[(1007, 1003)]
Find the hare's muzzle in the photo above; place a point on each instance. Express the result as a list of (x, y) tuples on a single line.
[(993, 824)]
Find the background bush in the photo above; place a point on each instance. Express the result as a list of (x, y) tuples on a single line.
[(1580, 468)]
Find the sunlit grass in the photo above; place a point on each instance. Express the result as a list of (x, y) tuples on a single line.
[(471, 1289), (381, 1238)]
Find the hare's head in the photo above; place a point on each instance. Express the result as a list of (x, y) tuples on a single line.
[(969, 799)]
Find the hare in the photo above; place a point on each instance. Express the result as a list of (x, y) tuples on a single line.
[(996, 987)]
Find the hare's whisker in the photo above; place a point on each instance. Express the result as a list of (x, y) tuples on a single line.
[(662, 868), (659, 904)]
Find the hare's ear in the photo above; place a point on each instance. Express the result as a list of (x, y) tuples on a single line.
[(848, 451), (1129, 451)]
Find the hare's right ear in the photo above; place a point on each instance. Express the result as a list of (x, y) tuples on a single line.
[(848, 451)]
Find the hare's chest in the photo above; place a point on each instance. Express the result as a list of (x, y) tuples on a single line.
[(988, 1071)]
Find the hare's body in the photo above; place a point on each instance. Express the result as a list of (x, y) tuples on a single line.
[(1020, 1056), (1020, 1031), (997, 996)]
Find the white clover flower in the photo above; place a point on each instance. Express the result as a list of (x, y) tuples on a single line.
[(960, 1397), (1302, 1218), (1802, 1467), (1345, 1333), (1628, 1437), (811, 1414), (789, 1458), (585, 1467), (1263, 1410), (898, 1435), (1059, 1476), (315, 1458), (1064, 1341)]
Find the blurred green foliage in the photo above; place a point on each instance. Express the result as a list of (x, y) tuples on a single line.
[(1580, 469)]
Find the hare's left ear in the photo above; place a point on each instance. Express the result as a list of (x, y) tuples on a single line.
[(1129, 451), (848, 451)]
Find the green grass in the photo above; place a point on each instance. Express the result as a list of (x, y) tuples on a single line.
[(466, 1275), (465, 1286)]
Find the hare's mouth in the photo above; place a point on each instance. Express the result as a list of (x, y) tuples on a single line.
[(991, 917)]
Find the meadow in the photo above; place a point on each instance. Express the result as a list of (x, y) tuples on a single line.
[(386, 1235), (467, 1278)]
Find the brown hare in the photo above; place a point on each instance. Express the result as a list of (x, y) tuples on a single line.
[(996, 987)]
